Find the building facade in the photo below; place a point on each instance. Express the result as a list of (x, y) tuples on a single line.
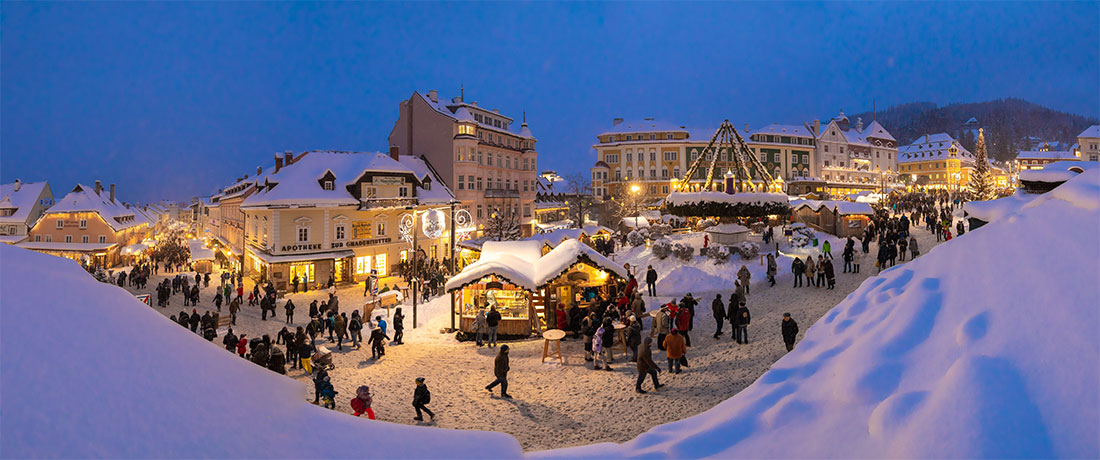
[(478, 153), (936, 161), (1088, 144), (88, 225), (342, 215), (851, 158), (21, 205)]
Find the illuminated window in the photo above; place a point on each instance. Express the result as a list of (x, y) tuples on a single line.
[(340, 232), (404, 255), (381, 229), (380, 264), (303, 270), (362, 265), (466, 129)]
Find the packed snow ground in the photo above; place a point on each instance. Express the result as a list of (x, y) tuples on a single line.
[(560, 406), (984, 348)]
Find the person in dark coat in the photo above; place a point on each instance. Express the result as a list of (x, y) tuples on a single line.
[(634, 337), (646, 366), (377, 349), (719, 309), (421, 398), (743, 319), (313, 309), (194, 320), (790, 331), (651, 281), (398, 327), (798, 268), (500, 370), (230, 340), (830, 274), (492, 320), (277, 361), (289, 308)]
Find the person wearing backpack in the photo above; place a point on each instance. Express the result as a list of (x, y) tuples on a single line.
[(421, 398), (743, 318), (230, 340), (362, 401), (328, 394), (355, 326)]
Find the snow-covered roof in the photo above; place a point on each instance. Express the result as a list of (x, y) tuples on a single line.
[(932, 147), (461, 111), (199, 251), (876, 130), (23, 200), (728, 229), (643, 126), (783, 130), (1045, 155), (182, 394), (992, 210), (556, 236), (300, 183), (85, 199), (1057, 171), (595, 229), (1091, 131), (62, 246), (926, 360), (842, 207), (522, 263), (682, 198), (636, 222)]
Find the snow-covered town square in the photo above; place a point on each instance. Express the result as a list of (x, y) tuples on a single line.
[(476, 230)]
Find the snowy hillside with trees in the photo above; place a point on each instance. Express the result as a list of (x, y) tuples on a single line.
[(89, 371), (984, 348)]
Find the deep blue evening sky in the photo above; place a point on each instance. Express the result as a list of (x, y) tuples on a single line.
[(170, 100)]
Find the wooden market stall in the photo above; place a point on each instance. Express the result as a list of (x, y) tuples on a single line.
[(526, 286)]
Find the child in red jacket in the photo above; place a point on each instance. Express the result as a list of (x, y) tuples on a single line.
[(362, 401), (242, 346)]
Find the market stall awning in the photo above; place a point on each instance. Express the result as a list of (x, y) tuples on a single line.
[(73, 247), (200, 252), (136, 248)]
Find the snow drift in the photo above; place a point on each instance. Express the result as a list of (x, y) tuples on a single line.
[(89, 371), (985, 347)]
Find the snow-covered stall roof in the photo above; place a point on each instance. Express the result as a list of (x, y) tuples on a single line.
[(300, 183), (87, 199), (556, 236), (728, 229), (844, 208), (200, 252), (597, 229), (1060, 155), (140, 386), (522, 263), (1058, 171), (21, 199), (927, 361), (636, 222), (683, 198)]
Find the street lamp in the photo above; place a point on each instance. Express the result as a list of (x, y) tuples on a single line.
[(634, 189)]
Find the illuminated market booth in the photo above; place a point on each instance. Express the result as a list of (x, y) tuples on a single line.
[(525, 285), (202, 258)]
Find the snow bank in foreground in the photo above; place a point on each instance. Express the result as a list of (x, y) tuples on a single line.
[(91, 372), (985, 347)]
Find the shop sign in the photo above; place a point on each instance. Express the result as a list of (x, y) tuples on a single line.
[(387, 180), (301, 247), (358, 243), (361, 229)]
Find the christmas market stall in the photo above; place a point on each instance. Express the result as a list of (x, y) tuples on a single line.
[(526, 285), (840, 218), (202, 258)]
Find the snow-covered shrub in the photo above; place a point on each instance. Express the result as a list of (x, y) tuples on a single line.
[(748, 250), (799, 240), (758, 227), (683, 252), (718, 254), (635, 238), (703, 224), (659, 230), (662, 248)]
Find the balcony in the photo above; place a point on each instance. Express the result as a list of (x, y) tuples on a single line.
[(501, 193), (384, 203)]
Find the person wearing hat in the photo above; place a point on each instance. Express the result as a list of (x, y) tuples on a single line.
[(421, 398), (790, 331), (646, 366), (500, 369)]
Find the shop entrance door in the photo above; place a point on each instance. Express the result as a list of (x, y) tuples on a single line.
[(338, 273)]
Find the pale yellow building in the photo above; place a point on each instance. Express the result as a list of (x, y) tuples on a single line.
[(936, 161), (1088, 144)]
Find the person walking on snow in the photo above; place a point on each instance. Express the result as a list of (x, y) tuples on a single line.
[(398, 327), (719, 309), (500, 370), (744, 276), (377, 349), (772, 269), (421, 398), (827, 249), (675, 349), (646, 365), (362, 401), (790, 330)]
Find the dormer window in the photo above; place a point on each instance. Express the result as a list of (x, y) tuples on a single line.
[(328, 185), (466, 130)]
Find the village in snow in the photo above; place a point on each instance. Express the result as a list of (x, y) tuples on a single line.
[(831, 287)]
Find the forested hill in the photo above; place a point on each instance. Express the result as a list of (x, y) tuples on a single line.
[(1007, 122)]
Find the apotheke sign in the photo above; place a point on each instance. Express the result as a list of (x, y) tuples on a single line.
[(301, 247)]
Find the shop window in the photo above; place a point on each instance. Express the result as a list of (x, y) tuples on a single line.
[(431, 251), (403, 255), (362, 265), (303, 270), (380, 264)]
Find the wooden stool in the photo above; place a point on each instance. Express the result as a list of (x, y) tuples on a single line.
[(620, 332), (554, 335)]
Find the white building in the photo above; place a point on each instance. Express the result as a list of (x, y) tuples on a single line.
[(21, 204), (854, 156), (1089, 144)]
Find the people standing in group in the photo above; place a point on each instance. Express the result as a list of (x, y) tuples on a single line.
[(745, 277), (675, 350), (651, 281), (500, 370), (663, 324), (646, 366), (492, 320), (811, 269), (820, 270), (789, 329), (633, 336), (421, 398), (903, 247), (798, 268), (683, 319), (602, 343), (480, 328), (718, 309)]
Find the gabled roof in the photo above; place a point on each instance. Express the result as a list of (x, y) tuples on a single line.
[(1092, 131), (460, 112), (299, 184), (783, 130), (643, 126), (522, 263), (22, 200), (932, 147), (876, 130), (1045, 155), (86, 199)]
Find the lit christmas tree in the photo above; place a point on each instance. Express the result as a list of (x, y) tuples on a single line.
[(981, 182)]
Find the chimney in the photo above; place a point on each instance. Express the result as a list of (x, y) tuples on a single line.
[(746, 128), (859, 124), (817, 127), (616, 121), (112, 193), (288, 158), (496, 110), (259, 170), (278, 162), (395, 152), (18, 184), (98, 187), (433, 95)]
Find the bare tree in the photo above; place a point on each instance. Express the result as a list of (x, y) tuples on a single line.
[(502, 226), (580, 201)]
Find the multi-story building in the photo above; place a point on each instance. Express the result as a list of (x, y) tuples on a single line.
[(1037, 159), (1088, 144), (787, 149), (342, 215), (490, 165), (854, 158), (936, 161), (88, 225), (645, 157), (21, 204)]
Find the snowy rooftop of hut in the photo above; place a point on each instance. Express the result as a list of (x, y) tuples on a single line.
[(520, 263)]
